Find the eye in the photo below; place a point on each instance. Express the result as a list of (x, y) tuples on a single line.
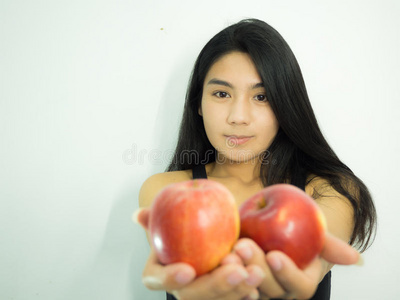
[(222, 94), (261, 98)]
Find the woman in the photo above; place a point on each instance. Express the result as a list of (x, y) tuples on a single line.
[(249, 123)]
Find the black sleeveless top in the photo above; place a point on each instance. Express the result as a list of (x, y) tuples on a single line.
[(324, 288)]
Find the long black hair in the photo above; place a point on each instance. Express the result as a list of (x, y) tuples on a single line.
[(299, 150)]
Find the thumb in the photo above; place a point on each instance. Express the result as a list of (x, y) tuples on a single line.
[(166, 277), (141, 217), (339, 252)]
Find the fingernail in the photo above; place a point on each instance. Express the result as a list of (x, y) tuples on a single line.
[(135, 216), (254, 295), (152, 282), (244, 251), (255, 277), (237, 276), (183, 277), (230, 259), (360, 261), (275, 263)]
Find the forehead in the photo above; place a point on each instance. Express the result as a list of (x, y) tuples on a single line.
[(236, 67)]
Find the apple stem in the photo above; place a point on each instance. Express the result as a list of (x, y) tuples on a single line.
[(195, 183), (262, 203)]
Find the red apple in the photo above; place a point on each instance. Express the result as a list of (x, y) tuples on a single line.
[(283, 217), (196, 222)]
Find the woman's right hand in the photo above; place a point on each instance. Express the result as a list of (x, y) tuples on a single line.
[(231, 280)]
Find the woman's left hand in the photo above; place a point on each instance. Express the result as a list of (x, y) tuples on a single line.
[(283, 278)]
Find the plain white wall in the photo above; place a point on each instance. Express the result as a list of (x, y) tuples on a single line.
[(91, 94)]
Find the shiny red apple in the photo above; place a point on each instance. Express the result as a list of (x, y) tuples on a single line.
[(196, 222), (283, 217)]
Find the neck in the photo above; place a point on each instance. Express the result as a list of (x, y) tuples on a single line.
[(246, 172)]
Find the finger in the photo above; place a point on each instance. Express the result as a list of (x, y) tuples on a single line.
[(248, 287), (249, 252), (254, 295), (225, 282), (231, 258), (141, 217), (297, 283), (339, 252), (256, 275), (252, 254), (218, 283), (169, 277)]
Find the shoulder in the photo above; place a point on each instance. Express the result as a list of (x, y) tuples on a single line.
[(317, 186), (320, 188), (155, 183), (336, 207)]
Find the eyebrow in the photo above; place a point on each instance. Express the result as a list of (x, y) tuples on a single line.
[(227, 84)]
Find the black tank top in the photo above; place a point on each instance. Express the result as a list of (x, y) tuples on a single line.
[(324, 288)]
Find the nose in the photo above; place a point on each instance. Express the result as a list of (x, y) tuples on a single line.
[(239, 112)]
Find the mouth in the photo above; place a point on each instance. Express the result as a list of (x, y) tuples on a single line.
[(233, 140)]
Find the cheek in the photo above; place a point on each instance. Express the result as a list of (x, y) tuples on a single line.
[(271, 117), (275, 125), (212, 116), (212, 119), (271, 125), (210, 125)]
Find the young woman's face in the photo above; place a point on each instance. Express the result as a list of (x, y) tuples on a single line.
[(238, 119)]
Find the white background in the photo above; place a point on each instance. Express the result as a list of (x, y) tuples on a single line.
[(91, 97)]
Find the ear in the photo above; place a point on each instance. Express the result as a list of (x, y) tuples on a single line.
[(200, 111)]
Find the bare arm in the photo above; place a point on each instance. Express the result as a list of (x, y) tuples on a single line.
[(337, 210)]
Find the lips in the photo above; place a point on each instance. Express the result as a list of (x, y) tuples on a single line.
[(233, 140)]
